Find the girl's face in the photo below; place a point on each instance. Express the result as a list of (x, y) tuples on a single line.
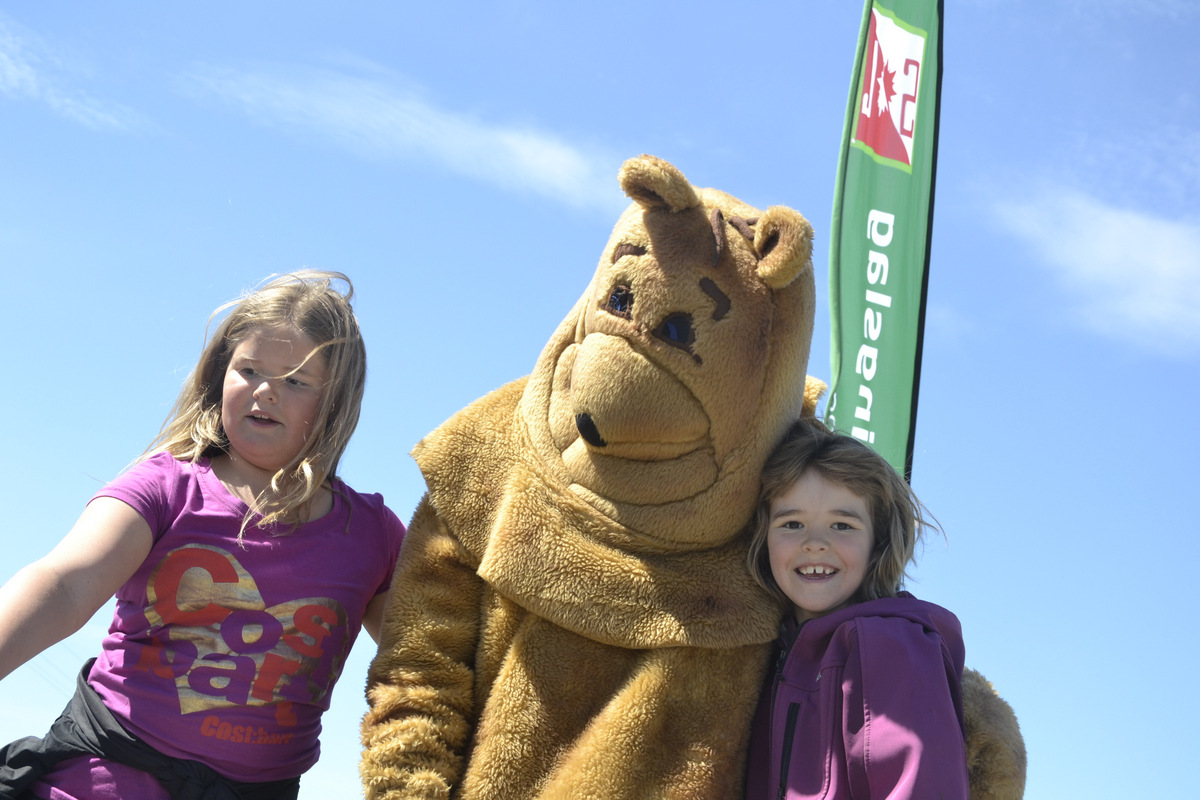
[(819, 541), (269, 401)]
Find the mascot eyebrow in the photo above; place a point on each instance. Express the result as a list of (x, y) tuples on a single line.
[(743, 226), (627, 249)]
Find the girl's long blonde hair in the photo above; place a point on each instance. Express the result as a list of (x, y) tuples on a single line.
[(308, 302)]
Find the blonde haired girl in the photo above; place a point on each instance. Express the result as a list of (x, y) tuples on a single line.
[(243, 569)]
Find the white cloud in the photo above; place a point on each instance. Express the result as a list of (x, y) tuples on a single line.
[(31, 70), (378, 117), (16, 75), (1156, 164), (1128, 275)]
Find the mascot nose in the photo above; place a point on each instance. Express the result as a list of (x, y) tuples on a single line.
[(587, 429)]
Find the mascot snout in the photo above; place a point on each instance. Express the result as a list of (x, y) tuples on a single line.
[(653, 416), (587, 429)]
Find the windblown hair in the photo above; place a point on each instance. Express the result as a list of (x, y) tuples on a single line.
[(898, 519), (306, 301)]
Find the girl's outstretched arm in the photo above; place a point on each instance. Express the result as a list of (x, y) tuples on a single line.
[(54, 596)]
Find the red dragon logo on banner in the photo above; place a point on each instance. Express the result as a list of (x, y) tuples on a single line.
[(891, 80)]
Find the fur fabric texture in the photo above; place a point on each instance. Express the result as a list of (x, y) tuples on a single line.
[(995, 749)]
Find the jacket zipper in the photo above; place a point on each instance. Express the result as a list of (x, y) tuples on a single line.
[(789, 733), (782, 657), (793, 712)]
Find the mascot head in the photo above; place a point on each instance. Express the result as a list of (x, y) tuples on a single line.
[(660, 396)]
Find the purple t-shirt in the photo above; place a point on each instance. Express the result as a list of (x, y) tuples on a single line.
[(227, 653)]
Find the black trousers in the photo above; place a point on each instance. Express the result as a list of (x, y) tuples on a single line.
[(87, 728)]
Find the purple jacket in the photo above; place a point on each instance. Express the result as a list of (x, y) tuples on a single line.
[(865, 703)]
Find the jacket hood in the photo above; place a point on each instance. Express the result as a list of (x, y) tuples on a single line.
[(904, 606)]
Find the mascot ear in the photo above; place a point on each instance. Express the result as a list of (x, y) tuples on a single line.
[(813, 389), (783, 241), (656, 184)]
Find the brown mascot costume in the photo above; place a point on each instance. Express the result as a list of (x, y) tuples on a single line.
[(571, 615)]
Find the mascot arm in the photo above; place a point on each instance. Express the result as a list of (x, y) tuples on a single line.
[(995, 748), (420, 686)]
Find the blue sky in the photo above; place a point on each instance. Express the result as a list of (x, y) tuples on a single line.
[(458, 160)]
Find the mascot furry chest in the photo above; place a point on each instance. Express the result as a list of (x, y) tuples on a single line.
[(571, 609)]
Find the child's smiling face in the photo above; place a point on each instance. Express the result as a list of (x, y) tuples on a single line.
[(819, 541)]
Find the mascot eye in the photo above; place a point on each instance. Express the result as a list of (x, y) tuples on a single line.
[(620, 301), (676, 330)]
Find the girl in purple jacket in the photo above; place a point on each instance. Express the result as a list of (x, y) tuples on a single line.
[(865, 699)]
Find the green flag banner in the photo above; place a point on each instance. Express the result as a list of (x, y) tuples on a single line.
[(882, 225)]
